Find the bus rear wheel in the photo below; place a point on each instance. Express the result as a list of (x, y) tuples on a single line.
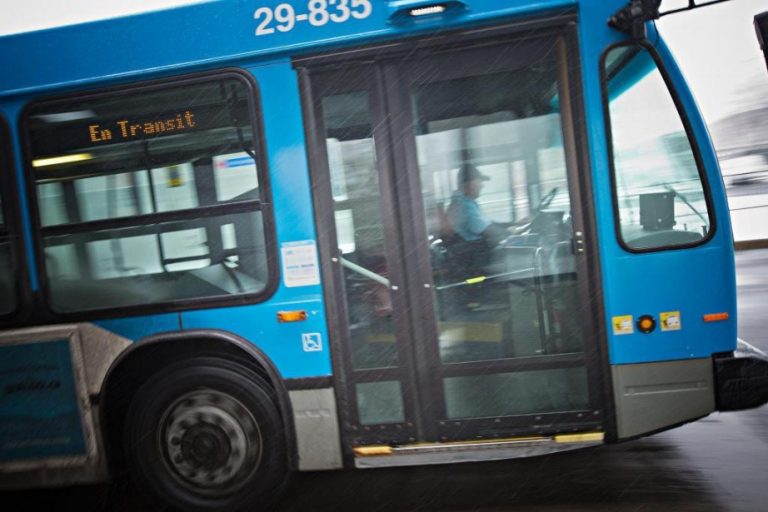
[(204, 435)]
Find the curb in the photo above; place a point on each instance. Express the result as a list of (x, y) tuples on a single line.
[(746, 245)]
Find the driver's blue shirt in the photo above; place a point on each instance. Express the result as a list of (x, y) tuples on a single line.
[(466, 218)]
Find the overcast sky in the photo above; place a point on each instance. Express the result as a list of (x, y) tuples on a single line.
[(716, 46), (26, 15), (718, 51)]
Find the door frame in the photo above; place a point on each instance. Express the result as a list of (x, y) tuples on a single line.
[(333, 276)]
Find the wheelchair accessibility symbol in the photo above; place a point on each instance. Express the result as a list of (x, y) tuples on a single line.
[(312, 342)]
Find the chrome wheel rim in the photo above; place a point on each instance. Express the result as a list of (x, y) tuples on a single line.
[(210, 441)]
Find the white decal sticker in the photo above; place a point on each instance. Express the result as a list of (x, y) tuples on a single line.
[(300, 267)]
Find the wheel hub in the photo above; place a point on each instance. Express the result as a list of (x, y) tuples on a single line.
[(209, 439), (206, 446)]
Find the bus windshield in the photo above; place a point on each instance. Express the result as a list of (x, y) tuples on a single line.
[(660, 193)]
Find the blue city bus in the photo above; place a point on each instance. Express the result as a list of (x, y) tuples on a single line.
[(244, 239)]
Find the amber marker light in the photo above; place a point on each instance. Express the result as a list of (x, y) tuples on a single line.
[(369, 451), (716, 317), (291, 316), (646, 324)]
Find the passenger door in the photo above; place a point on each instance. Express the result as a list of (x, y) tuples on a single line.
[(441, 336)]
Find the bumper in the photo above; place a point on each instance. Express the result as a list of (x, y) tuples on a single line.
[(741, 380)]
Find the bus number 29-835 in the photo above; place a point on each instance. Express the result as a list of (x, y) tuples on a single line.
[(318, 13)]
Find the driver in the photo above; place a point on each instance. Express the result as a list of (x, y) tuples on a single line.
[(464, 214)]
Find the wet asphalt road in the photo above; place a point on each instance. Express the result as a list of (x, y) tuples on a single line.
[(719, 463)]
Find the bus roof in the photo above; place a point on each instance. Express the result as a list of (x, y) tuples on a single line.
[(219, 32)]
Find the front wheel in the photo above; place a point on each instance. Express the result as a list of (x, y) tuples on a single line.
[(204, 435)]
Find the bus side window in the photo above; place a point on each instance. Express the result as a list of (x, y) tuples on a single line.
[(658, 186), (149, 195)]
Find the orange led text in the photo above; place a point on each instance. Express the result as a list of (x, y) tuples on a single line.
[(126, 129)]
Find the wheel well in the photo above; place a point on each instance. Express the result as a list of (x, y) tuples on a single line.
[(150, 356)]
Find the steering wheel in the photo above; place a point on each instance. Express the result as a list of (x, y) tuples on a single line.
[(524, 224)]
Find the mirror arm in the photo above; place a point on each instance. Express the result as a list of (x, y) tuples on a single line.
[(632, 17), (761, 27)]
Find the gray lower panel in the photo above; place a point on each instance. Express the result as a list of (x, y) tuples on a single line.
[(51, 433), (317, 429), (652, 396)]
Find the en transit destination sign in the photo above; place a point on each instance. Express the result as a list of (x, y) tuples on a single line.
[(127, 129)]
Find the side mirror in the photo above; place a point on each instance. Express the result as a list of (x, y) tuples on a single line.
[(761, 26)]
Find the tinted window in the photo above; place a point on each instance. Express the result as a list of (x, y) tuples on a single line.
[(149, 195), (8, 288), (659, 191)]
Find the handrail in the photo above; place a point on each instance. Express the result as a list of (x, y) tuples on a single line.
[(354, 267)]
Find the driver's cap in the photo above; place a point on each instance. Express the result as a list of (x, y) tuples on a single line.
[(469, 173)]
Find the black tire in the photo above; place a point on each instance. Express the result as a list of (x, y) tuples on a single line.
[(205, 434)]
